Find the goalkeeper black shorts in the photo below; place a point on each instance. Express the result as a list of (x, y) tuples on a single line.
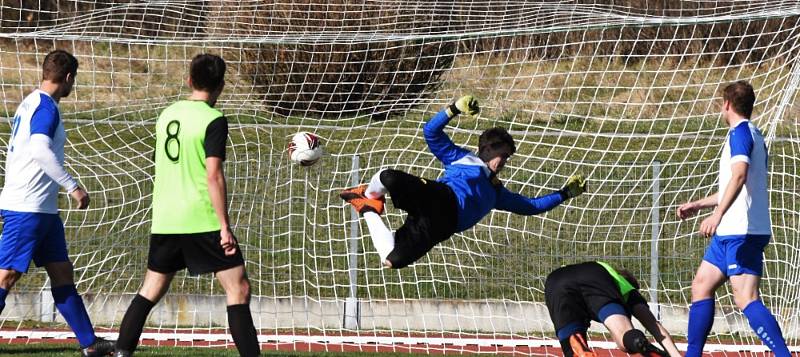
[(432, 215), (199, 252), (576, 293)]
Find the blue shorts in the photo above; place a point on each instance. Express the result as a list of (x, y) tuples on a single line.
[(739, 254), (26, 236)]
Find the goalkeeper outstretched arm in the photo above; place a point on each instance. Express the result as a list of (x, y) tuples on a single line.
[(519, 204)]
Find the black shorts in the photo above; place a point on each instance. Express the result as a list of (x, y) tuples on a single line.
[(432, 215), (199, 252), (575, 293)]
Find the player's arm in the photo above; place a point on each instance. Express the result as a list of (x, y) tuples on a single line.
[(215, 140), (519, 204), (438, 142), (688, 210), (528, 206), (738, 178), (43, 127), (645, 316)]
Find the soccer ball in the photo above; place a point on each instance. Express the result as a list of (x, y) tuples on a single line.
[(305, 148)]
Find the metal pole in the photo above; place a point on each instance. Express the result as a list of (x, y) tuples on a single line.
[(655, 227), (352, 308)]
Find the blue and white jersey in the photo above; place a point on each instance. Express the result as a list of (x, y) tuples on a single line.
[(749, 213), (470, 179), (27, 187)]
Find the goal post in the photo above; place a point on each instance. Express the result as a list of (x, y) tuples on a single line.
[(624, 93)]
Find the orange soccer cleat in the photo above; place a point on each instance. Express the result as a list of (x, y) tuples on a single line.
[(356, 196), (364, 205), (580, 348), (354, 193)]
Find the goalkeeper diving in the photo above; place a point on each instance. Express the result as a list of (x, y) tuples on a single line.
[(469, 189)]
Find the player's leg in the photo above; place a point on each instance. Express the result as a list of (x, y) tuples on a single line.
[(8, 278), (746, 255), (164, 258), (21, 234), (627, 338), (404, 188), (237, 294), (618, 324), (369, 201), (576, 343), (566, 312), (432, 215), (382, 237), (69, 303), (761, 319), (708, 278), (204, 254), (376, 189), (51, 253), (153, 288)]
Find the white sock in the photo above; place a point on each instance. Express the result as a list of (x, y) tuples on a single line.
[(376, 189), (382, 237)]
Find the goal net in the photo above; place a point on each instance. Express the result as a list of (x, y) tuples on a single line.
[(625, 92)]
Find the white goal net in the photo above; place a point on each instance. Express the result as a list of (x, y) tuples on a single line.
[(625, 92)]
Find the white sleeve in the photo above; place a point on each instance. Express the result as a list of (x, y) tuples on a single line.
[(41, 151)]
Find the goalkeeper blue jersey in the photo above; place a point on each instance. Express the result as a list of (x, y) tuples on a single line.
[(470, 179)]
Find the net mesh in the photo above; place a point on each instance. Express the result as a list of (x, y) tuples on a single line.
[(624, 92)]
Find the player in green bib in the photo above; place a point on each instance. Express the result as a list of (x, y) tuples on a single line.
[(190, 228), (595, 291)]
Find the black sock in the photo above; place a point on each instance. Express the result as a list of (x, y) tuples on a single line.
[(242, 329), (132, 324)]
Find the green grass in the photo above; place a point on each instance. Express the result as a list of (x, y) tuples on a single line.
[(58, 350)]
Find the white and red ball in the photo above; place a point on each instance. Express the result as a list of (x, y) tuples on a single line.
[(305, 148)]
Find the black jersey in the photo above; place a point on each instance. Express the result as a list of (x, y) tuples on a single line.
[(576, 293)]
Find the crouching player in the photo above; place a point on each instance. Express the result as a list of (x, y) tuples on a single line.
[(469, 189), (576, 294)]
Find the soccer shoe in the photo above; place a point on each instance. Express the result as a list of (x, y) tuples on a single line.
[(579, 346), (364, 205), (100, 347), (354, 193), (123, 353)]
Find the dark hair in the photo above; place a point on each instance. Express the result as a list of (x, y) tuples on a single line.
[(57, 65), (741, 96), (207, 72), (629, 277), (494, 142)]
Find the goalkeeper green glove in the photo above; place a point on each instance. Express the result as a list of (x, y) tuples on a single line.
[(466, 104), (575, 186)]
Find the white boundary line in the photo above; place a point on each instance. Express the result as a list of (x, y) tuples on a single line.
[(367, 340)]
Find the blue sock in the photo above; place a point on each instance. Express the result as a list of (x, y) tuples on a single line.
[(571, 328), (3, 294), (766, 327), (701, 318), (70, 305)]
